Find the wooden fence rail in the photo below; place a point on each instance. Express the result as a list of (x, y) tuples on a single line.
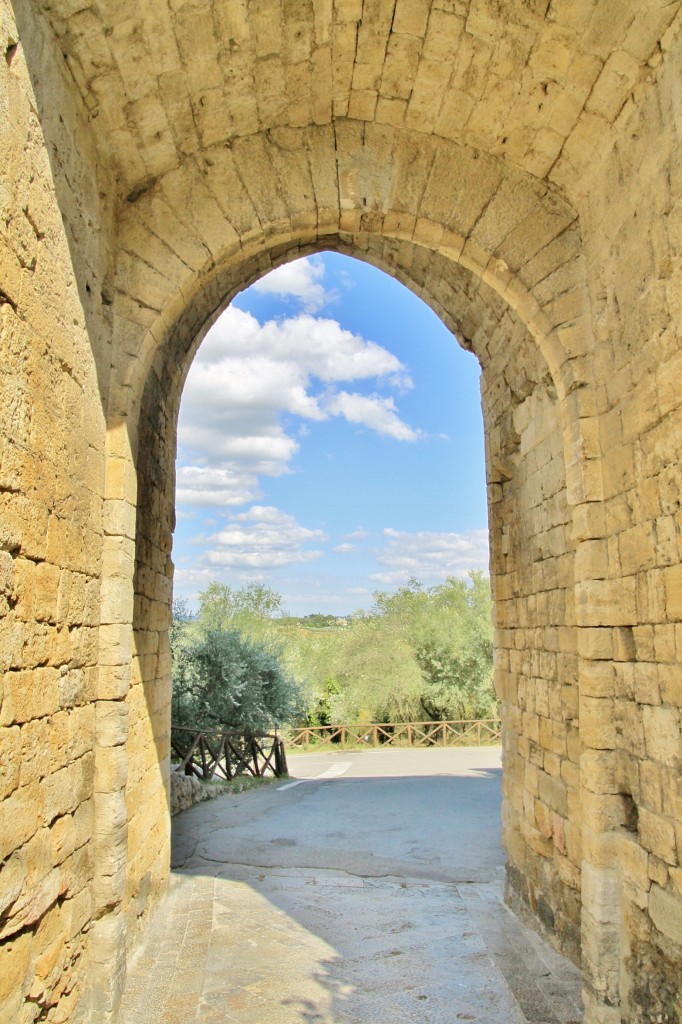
[(224, 755), (457, 733)]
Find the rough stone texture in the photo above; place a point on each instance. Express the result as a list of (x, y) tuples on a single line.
[(425, 933), (187, 790), (517, 165)]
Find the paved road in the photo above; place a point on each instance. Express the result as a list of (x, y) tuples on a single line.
[(366, 888), (421, 813)]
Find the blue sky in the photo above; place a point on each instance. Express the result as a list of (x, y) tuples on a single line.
[(330, 443)]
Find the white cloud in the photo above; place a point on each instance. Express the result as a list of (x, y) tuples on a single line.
[(359, 534), (206, 485), (262, 538), (188, 582), (429, 556), (300, 280), (371, 411), (344, 549), (246, 376)]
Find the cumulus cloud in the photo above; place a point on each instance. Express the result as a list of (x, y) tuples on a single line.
[(304, 345), (247, 376), (262, 538), (301, 280), (372, 411), (186, 581), (207, 485), (429, 556), (359, 534)]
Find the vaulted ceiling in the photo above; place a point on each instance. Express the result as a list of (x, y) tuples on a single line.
[(536, 82)]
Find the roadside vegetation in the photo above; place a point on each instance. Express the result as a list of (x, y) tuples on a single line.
[(418, 654)]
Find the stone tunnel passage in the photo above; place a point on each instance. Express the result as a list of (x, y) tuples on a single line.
[(517, 164), (372, 896), (531, 550)]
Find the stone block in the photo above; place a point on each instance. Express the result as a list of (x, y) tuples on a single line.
[(112, 722), (658, 871), (21, 817), (34, 693), (600, 893), (658, 835), (10, 760), (116, 600), (553, 792), (646, 686), (666, 912), (111, 769), (670, 680), (597, 723), (673, 592), (15, 959), (596, 644), (115, 645), (634, 862), (81, 731), (40, 887), (598, 771), (606, 602), (597, 679), (663, 735)]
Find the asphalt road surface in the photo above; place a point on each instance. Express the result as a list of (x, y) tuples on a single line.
[(365, 889), (425, 813)]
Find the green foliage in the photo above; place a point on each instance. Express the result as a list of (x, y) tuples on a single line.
[(377, 675), (223, 679), (320, 712), (221, 606), (417, 654), (446, 632), (318, 621)]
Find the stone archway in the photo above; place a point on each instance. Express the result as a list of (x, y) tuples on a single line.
[(518, 167), (527, 413)]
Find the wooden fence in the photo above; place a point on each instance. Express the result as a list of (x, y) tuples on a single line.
[(460, 733), (224, 755)]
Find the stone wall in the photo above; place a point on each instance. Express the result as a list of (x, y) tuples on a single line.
[(518, 167), (52, 429), (630, 603), (531, 554)]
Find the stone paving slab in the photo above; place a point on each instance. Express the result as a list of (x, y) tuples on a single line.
[(370, 899), (308, 947)]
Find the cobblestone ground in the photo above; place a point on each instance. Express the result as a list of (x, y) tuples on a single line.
[(338, 925)]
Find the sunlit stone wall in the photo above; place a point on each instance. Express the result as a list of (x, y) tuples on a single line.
[(52, 469), (518, 167)]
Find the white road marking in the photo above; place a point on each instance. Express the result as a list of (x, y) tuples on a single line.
[(336, 769)]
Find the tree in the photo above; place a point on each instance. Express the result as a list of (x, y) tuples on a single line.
[(377, 674), (454, 650), (221, 605), (448, 632), (222, 678), (418, 653)]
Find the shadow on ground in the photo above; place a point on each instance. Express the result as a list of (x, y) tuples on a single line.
[(360, 899)]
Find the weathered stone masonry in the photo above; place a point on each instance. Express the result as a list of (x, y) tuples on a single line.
[(517, 165)]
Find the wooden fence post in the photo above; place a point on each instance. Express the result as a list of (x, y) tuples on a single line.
[(280, 758)]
